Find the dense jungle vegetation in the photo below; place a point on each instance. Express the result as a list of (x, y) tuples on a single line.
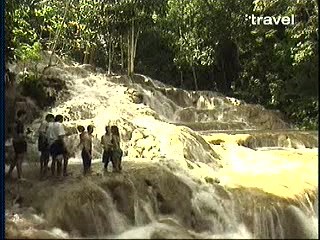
[(192, 44)]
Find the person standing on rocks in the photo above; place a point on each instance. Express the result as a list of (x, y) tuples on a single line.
[(58, 148), (19, 144), (50, 136), (90, 131), (81, 130), (43, 145), (107, 148), (86, 153), (116, 150)]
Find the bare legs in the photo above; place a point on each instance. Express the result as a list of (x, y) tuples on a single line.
[(57, 160), (44, 160), (116, 164), (65, 165), (17, 162), (86, 160)]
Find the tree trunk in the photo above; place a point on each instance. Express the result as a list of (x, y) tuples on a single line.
[(92, 56), (58, 33), (129, 68), (86, 55), (317, 11), (181, 79), (63, 46), (194, 77), (224, 78), (132, 49), (49, 40), (135, 44), (181, 71), (121, 51), (109, 56)]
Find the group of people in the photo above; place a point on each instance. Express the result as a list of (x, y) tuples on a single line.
[(51, 143), (111, 148)]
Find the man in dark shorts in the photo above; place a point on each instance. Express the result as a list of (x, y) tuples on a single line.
[(86, 153), (58, 147), (19, 144), (43, 145)]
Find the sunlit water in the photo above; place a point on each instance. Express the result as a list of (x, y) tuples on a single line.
[(154, 133)]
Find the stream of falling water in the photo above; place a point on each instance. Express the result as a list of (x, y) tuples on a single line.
[(168, 126), (86, 209)]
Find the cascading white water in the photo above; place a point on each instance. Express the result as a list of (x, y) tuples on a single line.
[(183, 199), (218, 112), (215, 213)]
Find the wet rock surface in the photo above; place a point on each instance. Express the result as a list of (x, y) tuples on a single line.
[(289, 140), (176, 182), (108, 203), (73, 204)]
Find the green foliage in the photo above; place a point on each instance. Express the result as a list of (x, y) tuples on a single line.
[(26, 52), (180, 40), (304, 112), (284, 60), (33, 87)]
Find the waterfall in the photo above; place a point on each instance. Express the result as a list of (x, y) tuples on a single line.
[(196, 165)]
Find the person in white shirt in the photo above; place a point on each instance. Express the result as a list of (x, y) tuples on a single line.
[(43, 145), (58, 148), (51, 135)]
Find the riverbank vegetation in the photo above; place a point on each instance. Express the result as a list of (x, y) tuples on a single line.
[(198, 45)]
